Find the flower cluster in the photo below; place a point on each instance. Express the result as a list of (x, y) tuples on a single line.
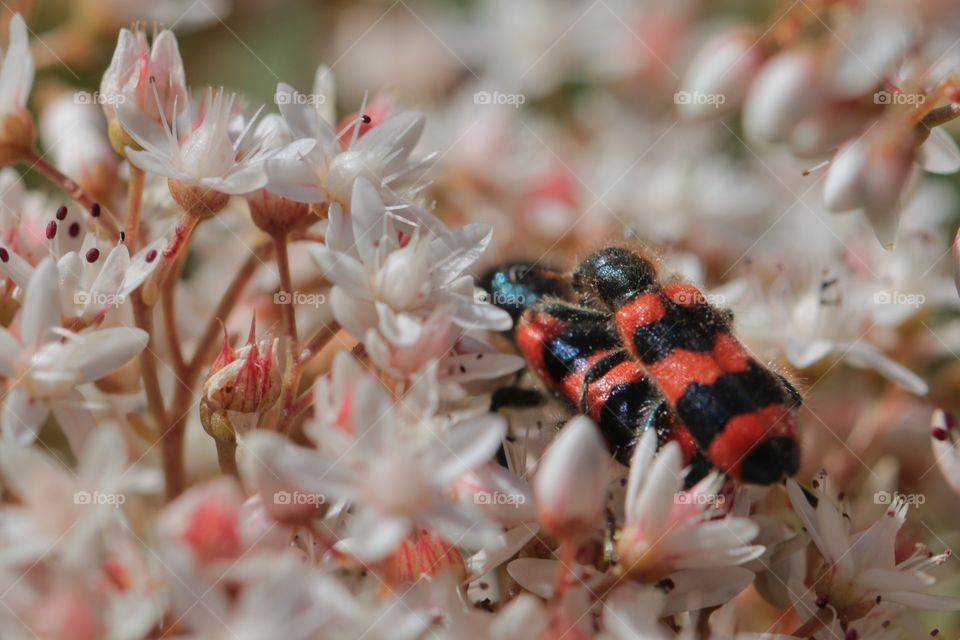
[(253, 384)]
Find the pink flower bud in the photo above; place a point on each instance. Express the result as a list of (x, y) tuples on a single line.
[(571, 481), (872, 173), (150, 76), (785, 91), (717, 79), (246, 380)]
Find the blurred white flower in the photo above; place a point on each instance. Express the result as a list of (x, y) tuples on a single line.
[(859, 569), (716, 81), (571, 481), (69, 512), (17, 131), (396, 473), (46, 363), (76, 135)]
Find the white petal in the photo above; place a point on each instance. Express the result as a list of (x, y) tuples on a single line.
[(23, 415), (17, 269), (9, 353), (372, 536), (100, 352), (468, 444), (643, 454), (16, 77), (41, 305), (940, 153), (924, 601), (571, 480), (694, 590), (75, 420), (342, 270), (866, 356)]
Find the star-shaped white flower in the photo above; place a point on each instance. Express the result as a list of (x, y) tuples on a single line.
[(45, 363), (211, 153), (323, 162), (859, 569)]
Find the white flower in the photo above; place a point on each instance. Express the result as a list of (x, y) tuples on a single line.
[(785, 90), (25, 218), (149, 78), (859, 570), (396, 473), (213, 152), (46, 363), (91, 283), (65, 511), (871, 173), (76, 135), (824, 320), (322, 163), (389, 279), (17, 132), (668, 530), (571, 481), (723, 68)]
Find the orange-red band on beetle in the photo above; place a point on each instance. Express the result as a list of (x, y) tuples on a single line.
[(681, 369), (730, 354), (599, 390), (684, 294), (533, 333), (572, 385), (641, 311), (744, 432)]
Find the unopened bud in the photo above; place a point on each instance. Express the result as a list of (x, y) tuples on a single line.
[(571, 482), (275, 214), (17, 136)]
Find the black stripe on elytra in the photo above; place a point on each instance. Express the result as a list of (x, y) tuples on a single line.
[(630, 411), (569, 312), (691, 328), (625, 411), (707, 408), (566, 352)]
